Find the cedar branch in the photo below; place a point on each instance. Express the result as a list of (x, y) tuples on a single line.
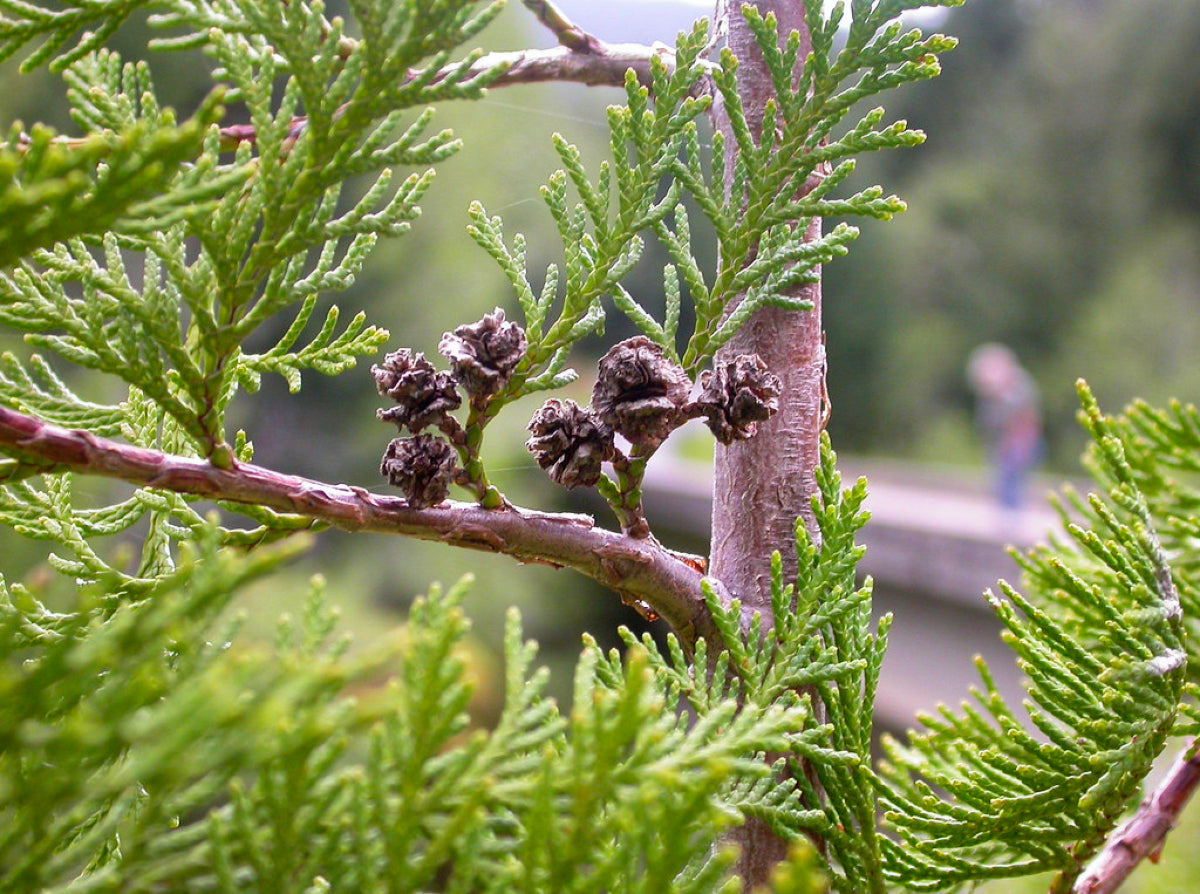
[(603, 65), (642, 572)]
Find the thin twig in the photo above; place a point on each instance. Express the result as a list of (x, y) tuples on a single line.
[(641, 571), (604, 66), (1143, 834), (568, 33)]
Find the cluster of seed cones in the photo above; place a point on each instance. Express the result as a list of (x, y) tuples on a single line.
[(640, 394), (483, 357), (643, 395)]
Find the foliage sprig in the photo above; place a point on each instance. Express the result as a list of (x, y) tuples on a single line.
[(276, 237), (979, 793), (541, 800)]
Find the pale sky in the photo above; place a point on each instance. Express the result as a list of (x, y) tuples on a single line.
[(645, 20), (709, 4), (927, 15)]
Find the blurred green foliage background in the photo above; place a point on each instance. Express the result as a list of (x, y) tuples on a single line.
[(1055, 208)]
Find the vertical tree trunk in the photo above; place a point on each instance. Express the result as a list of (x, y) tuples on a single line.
[(764, 484)]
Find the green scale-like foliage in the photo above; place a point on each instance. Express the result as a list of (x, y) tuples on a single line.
[(985, 792), (759, 222), (1162, 448), (207, 764), (103, 267), (55, 190), (142, 748), (625, 793), (823, 643)]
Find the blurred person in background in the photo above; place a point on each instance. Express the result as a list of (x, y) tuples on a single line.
[(1008, 409)]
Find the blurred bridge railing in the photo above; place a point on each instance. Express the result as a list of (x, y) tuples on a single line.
[(935, 542)]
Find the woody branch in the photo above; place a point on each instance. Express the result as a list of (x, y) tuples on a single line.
[(642, 572), (1143, 834), (568, 33)]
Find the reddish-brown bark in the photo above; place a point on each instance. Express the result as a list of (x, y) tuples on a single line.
[(1143, 834), (762, 485)]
